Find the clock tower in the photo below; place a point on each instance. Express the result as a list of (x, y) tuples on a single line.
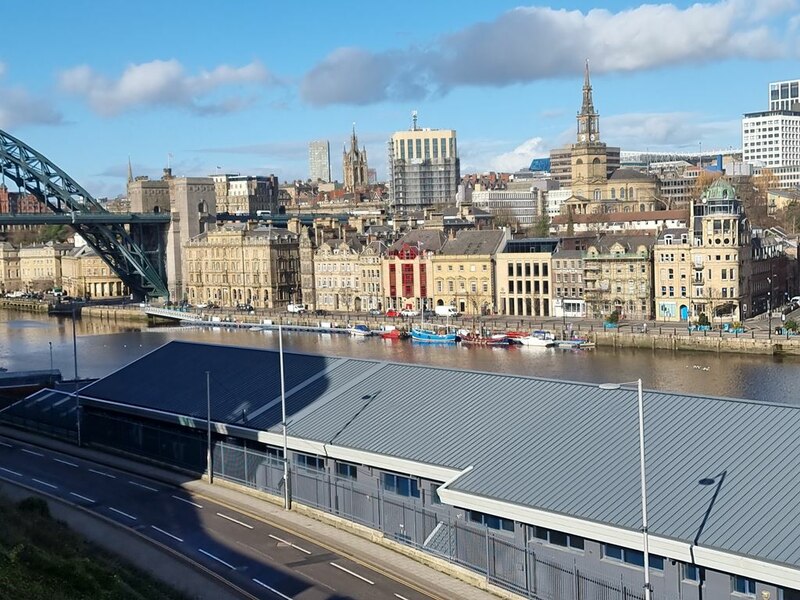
[(589, 160)]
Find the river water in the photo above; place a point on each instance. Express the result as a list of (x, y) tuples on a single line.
[(104, 347)]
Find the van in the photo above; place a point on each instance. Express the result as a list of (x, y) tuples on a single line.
[(446, 311), (296, 308)]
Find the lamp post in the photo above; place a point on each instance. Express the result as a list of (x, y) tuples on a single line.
[(287, 495), (648, 591), (209, 464), (51, 354), (769, 305)]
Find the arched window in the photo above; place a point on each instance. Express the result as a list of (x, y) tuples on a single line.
[(598, 195), (641, 208), (622, 193), (613, 193)]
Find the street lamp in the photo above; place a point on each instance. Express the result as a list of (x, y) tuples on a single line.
[(209, 464), (51, 355), (648, 591), (287, 495)]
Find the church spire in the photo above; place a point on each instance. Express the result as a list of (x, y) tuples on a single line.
[(130, 171), (588, 119)]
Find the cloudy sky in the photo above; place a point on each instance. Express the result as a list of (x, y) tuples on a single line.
[(243, 86)]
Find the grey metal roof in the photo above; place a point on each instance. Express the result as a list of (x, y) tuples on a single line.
[(474, 242), (568, 448)]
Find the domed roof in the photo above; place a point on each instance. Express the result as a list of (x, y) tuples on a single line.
[(719, 190)]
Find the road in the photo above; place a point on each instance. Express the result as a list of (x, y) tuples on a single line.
[(259, 557)]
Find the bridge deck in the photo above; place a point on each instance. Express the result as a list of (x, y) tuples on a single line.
[(83, 218)]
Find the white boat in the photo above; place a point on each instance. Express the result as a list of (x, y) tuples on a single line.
[(543, 339), (360, 330)]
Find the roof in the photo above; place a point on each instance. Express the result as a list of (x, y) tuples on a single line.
[(562, 447), (631, 175), (429, 240), (618, 217), (475, 242)]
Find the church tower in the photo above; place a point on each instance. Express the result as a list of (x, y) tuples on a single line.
[(589, 156), (354, 165)]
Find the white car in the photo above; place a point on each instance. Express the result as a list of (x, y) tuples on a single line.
[(296, 308), (409, 312)]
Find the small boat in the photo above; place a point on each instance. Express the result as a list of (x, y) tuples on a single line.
[(434, 333), (494, 340), (360, 330), (575, 344), (394, 334), (542, 339)]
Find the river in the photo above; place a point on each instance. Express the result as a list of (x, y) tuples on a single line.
[(104, 347)]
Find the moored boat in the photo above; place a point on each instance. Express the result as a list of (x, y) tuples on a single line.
[(542, 339), (360, 330), (426, 332), (394, 334)]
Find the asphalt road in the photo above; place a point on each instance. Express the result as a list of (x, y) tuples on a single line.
[(260, 558)]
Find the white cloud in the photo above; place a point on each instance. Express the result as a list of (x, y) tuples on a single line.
[(532, 43), (669, 131), (20, 107), (520, 157), (163, 83)]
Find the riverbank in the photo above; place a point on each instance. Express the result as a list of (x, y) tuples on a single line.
[(706, 341)]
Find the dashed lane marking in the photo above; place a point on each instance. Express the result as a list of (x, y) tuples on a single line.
[(341, 568), (50, 485), (288, 543), (216, 558), (124, 514), (109, 475), (66, 462), (195, 504), (272, 589), (234, 520), (6, 445), (10, 471), (81, 497), (26, 451), (174, 537), (141, 485)]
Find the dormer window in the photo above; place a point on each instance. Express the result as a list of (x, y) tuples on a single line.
[(668, 239)]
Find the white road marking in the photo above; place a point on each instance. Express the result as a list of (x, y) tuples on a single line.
[(6, 445), (65, 462), (10, 471), (272, 589), (141, 485), (187, 501), (401, 597), (109, 475), (50, 485), (124, 514), (219, 560), (341, 568), (31, 452), (174, 537), (281, 540), (234, 520), (81, 497)]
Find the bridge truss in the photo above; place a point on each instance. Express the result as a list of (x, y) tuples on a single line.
[(135, 253)]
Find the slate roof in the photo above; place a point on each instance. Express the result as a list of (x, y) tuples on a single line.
[(431, 240), (567, 448), (475, 242), (631, 175)]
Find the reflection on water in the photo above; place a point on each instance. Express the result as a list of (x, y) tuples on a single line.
[(104, 347)]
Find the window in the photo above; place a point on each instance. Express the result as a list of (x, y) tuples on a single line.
[(693, 573), (310, 462), (632, 557), (558, 538), (435, 494), (402, 486), (743, 585), (346, 470), (490, 521)]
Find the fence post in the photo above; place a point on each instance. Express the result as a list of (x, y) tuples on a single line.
[(415, 526), (221, 457), (576, 580), (246, 478), (486, 531)]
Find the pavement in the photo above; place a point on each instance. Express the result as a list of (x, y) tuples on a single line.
[(426, 580)]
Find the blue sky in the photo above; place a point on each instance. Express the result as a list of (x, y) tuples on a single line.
[(245, 86)]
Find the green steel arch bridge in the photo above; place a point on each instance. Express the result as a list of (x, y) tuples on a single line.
[(131, 244)]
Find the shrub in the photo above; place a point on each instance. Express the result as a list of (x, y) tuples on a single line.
[(791, 325), (703, 320), (34, 506), (613, 318)]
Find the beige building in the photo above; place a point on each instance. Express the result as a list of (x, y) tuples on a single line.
[(593, 189), (463, 271), (524, 278), (246, 194), (705, 268), (347, 275), (407, 272), (566, 275), (243, 264), (40, 265), (191, 202), (618, 277), (85, 274), (9, 268)]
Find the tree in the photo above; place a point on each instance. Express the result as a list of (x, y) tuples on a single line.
[(542, 226), (702, 320), (570, 222), (704, 179), (613, 318)]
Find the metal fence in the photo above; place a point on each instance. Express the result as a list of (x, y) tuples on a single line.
[(504, 561)]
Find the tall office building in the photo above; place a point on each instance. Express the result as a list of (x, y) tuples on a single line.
[(319, 160), (784, 95), (424, 169)]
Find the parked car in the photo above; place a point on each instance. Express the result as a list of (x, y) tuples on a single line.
[(392, 313), (244, 307), (375, 311), (409, 312), (321, 313)]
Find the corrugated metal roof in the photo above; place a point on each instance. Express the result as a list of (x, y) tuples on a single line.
[(568, 448)]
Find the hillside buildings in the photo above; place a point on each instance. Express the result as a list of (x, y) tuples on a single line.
[(246, 194), (424, 168), (319, 161)]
